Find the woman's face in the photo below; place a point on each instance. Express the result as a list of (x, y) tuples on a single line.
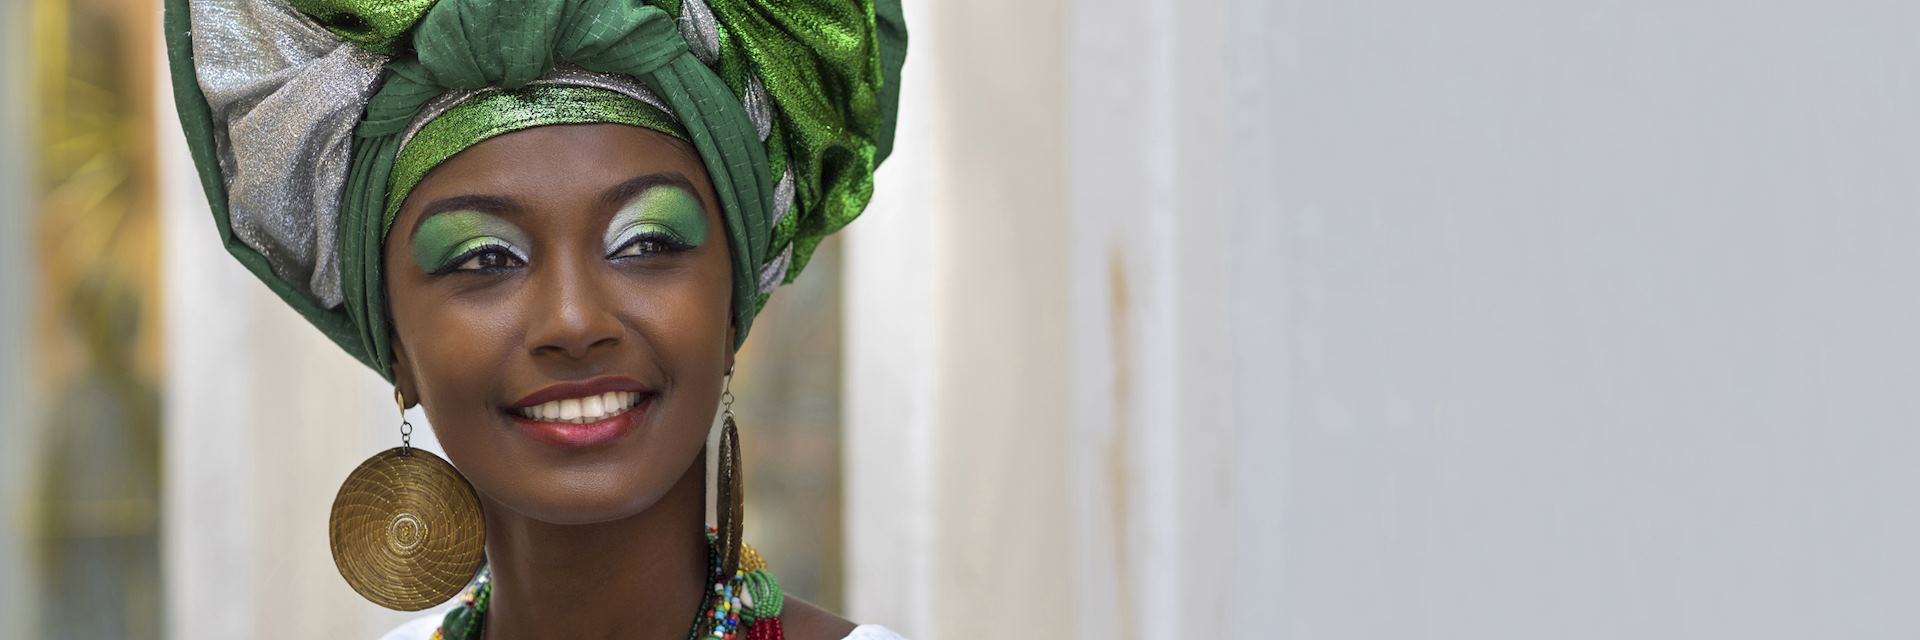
[(560, 303)]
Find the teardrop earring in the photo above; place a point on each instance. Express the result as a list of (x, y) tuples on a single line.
[(728, 509), (406, 528)]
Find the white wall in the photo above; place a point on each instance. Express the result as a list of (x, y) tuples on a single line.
[(1488, 319), (1594, 320), (956, 375)]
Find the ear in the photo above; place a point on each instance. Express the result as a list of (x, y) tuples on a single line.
[(403, 381)]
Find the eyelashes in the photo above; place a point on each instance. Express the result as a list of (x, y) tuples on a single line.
[(647, 240), (492, 255), (483, 255)]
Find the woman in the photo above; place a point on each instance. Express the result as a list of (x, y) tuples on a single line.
[(550, 223)]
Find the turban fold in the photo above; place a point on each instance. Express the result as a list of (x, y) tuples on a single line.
[(311, 120)]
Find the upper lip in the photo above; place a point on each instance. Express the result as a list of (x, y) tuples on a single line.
[(582, 389)]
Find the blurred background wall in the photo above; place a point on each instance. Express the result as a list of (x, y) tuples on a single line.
[(1357, 320), (1392, 320), (19, 605), (82, 347)]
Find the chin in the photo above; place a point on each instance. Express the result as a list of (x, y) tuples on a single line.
[(576, 492), (588, 504), (578, 509)]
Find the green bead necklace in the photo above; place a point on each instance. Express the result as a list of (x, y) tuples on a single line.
[(744, 606)]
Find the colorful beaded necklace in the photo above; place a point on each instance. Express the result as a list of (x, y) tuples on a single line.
[(744, 606)]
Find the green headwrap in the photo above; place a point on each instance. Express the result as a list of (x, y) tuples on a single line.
[(790, 105)]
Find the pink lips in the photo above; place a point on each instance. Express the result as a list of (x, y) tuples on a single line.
[(592, 387), (592, 434)]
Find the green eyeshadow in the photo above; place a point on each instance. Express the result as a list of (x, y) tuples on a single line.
[(445, 237), (664, 209)]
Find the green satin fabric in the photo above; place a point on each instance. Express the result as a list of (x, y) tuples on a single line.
[(833, 68), (379, 26)]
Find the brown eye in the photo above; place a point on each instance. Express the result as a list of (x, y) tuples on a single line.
[(641, 247), (650, 244), (490, 259)]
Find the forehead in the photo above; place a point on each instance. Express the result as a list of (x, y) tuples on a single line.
[(548, 163)]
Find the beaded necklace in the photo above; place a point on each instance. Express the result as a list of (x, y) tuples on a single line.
[(744, 606)]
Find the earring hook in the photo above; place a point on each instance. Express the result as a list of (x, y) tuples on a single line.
[(726, 393), (406, 427)]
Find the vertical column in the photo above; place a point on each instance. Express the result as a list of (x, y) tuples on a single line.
[(1155, 190), (1122, 182), (18, 609), (210, 547), (1002, 322), (957, 447)]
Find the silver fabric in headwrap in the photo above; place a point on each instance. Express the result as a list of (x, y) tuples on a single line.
[(776, 271), (560, 75), (285, 95), (759, 107), (783, 196), (700, 30)]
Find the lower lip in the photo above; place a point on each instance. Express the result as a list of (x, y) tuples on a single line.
[(580, 436)]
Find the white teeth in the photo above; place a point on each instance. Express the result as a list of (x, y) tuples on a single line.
[(582, 410)]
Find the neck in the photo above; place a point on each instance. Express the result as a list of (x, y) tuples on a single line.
[(644, 576)]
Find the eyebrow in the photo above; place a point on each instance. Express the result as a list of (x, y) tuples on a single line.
[(621, 193), (483, 203)]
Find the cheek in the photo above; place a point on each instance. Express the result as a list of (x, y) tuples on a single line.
[(676, 325), (453, 340), (461, 350)]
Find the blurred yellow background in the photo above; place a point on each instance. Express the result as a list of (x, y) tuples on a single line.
[(92, 500)]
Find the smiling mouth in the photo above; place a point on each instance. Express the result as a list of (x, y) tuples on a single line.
[(583, 410)]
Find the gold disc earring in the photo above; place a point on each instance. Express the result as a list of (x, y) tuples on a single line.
[(406, 529), (728, 509)]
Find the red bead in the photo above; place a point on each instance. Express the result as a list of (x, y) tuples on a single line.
[(766, 629)]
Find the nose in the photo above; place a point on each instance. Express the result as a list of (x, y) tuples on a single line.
[(573, 318)]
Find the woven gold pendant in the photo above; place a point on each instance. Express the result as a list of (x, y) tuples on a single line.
[(406, 530)]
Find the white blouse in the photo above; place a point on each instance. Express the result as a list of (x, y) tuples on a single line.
[(422, 628)]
